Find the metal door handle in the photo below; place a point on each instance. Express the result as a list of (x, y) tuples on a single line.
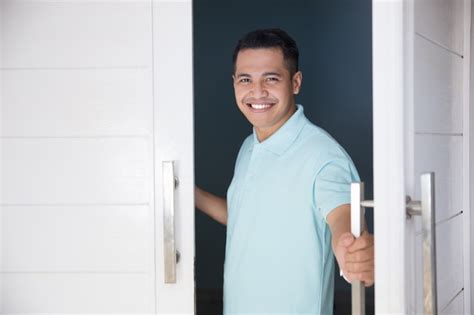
[(425, 208), (357, 226), (171, 255)]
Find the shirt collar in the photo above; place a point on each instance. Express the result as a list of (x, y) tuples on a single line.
[(281, 140)]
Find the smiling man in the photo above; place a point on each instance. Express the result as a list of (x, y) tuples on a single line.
[(287, 209)]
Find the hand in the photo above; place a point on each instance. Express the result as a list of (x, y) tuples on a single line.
[(356, 257)]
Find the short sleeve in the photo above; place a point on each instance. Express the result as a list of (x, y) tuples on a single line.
[(332, 186)]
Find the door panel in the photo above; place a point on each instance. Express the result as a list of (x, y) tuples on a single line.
[(438, 88), (82, 239), (99, 94), (90, 293), (441, 21), (76, 171), (441, 154), (438, 79), (449, 259), (80, 102), (420, 93), (76, 33)]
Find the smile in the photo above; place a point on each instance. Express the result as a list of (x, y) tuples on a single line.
[(259, 108)]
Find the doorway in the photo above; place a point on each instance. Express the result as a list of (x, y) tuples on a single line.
[(335, 43)]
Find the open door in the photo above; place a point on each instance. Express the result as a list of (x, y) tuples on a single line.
[(421, 60), (96, 123)]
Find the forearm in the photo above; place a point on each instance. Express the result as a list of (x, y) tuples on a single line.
[(212, 205)]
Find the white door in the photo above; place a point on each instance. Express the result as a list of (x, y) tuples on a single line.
[(95, 96), (421, 52)]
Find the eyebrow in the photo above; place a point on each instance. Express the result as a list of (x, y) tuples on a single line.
[(272, 73), (265, 74)]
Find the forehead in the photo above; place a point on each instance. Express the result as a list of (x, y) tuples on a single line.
[(260, 59)]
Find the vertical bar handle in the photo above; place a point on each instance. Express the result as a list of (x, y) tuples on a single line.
[(429, 243), (170, 182), (357, 226), (426, 208)]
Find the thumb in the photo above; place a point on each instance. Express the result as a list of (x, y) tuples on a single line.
[(346, 239)]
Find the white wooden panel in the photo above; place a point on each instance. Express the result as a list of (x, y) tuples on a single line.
[(46, 293), (73, 239), (456, 307), (443, 155), (57, 33), (438, 82), (65, 102), (78, 171), (441, 21), (449, 260)]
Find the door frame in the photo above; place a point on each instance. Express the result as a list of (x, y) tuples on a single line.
[(388, 110)]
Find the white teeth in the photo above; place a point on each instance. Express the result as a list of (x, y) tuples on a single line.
[(260, 106)]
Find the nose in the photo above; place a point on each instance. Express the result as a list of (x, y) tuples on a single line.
[(259, 90)]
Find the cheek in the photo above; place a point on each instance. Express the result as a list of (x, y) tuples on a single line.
[(238, 97), (240, 93), (287, 93)]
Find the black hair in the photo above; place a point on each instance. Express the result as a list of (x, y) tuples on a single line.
[(270, 38)]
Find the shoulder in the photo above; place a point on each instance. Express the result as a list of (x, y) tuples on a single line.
[(320, 144), (324, 154)]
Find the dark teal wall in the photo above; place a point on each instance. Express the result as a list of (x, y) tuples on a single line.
[(334, 38)]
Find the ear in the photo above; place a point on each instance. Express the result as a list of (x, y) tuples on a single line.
[(296, 82)]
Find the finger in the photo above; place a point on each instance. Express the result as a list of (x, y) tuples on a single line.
[(360, 256), (367, 277), (364, 241), (346, 239), (360, 266)]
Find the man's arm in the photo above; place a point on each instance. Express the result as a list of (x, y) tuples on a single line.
[(354, 256), (212, 205)]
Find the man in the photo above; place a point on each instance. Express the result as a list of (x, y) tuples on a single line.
[(287, 209)]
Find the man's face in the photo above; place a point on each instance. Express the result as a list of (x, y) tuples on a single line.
[(264, 89)]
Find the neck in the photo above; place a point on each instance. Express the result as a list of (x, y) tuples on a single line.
[(265, 133)]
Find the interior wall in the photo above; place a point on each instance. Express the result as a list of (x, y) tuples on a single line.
[(334, 39)]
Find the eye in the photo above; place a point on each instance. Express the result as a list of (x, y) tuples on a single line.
[(273, 79), (244, 80)]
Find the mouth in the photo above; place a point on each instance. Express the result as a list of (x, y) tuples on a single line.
[(259, 107)]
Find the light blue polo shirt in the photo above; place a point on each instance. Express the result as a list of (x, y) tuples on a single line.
[(279, 258)]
